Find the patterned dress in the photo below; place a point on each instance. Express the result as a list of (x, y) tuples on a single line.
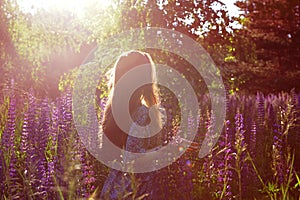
[(121, 185)]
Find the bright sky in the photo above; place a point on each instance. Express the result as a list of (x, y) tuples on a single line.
[(77, 6), (232, 9)]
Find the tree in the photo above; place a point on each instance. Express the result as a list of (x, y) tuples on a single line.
[(46, 44), (205, 21), (269, 42), (7, 48)]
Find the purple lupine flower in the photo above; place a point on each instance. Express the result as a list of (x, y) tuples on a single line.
[(210, 134), (68, 107), (298, 105), (209, 165), (277, 156), (271, 115), (249, 174), (252, 144), (42, 135), (88, 175), (240, 151), (53, 160), (27, 148), (44, 126), (8, 144), (8, 135), (61, 137), (260, 110), (224, 176), (62, 127), (32, 126), (24, 150), (65, 120), (24, 134), (294, 97), (239, 132), (8, 140)]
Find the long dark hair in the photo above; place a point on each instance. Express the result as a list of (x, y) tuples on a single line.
[(146, 95)]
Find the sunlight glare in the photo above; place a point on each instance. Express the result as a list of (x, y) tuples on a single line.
[(75, 6)]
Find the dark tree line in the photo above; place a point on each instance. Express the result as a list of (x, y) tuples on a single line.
[(262, 55), (269, 44)]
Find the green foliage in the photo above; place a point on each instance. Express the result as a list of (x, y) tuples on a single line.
[(37, 49)]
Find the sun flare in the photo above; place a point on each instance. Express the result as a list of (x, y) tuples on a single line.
[(75, 6)]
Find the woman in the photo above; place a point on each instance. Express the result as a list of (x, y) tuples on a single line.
[(120, 185)]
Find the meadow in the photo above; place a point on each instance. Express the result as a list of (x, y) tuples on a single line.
[(256, 157), (254, 45)]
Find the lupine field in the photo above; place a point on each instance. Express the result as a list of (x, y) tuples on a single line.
[(256, 157), (46, 46)]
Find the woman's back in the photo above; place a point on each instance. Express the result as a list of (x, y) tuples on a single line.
[(121, 185), (157, 184)]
